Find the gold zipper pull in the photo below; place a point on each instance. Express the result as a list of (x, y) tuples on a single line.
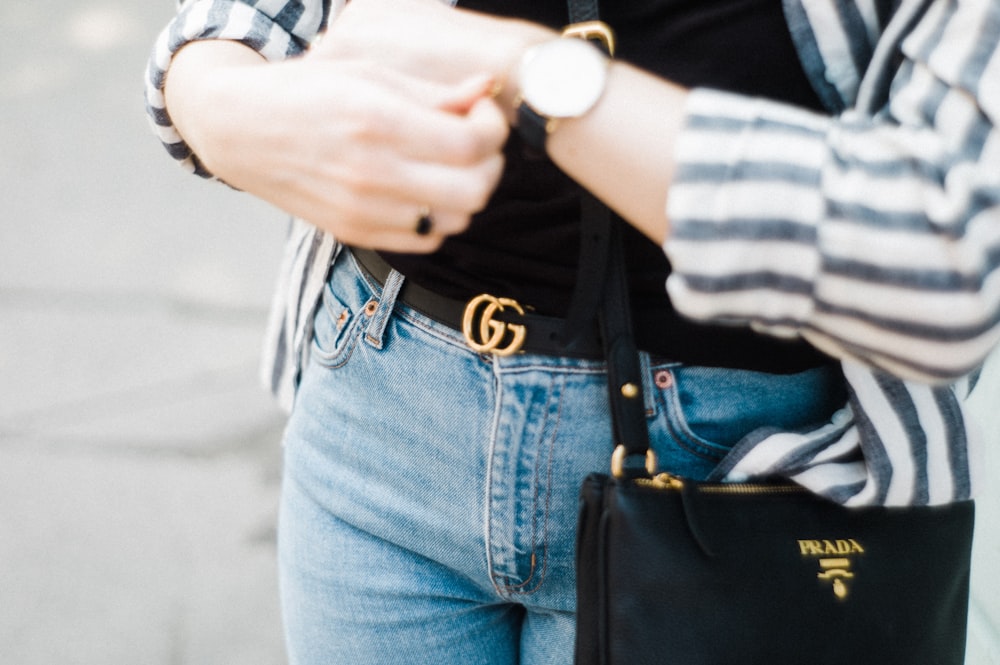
[(665, 481)]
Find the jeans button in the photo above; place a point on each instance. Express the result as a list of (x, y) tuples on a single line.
[(663, 378)]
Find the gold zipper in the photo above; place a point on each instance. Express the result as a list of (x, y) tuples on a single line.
[(668, 481)]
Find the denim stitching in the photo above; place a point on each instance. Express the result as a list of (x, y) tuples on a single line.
[(548, 492), (682, 434), (538, 568), (386, 302), (508, 588), (488, 487), (338, 356), (542, 568)]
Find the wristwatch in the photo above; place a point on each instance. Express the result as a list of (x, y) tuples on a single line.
[(560, 79)]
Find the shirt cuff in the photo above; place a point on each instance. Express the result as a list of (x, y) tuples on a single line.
[(199, 20), (744, 212)]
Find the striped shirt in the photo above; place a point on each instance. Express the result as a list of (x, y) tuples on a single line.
[(873, 232)]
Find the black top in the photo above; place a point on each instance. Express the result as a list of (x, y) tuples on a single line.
[(525, 244)]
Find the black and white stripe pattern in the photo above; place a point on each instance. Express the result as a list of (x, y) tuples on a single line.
[(277, 29), (876, 238), (895, 443), (308, 255), (874, 233)]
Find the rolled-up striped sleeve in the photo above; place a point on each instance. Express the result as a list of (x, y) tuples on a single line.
[(276, 29), (896, 443), (874, 236)]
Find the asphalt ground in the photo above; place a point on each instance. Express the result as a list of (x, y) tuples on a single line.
[(139, 459)]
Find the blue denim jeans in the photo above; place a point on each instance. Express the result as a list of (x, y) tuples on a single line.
[(430, 493)]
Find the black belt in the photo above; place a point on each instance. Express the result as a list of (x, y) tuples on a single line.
[(490, 324), (664, 334)]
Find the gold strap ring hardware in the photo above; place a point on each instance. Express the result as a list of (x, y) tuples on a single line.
[(597, 31), (485, 334), (618, 462)]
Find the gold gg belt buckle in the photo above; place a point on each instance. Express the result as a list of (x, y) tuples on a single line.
[(485, 334)]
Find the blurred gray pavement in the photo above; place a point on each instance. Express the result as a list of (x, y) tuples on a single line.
[(139, 460)]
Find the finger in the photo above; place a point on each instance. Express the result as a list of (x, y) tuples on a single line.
[(388, 235), (446, 138), (402, 242), (488, 120), (381, 174), (447, 222), (465, 190), (393, 234), (416, 117), (462, 97), (340, 210)]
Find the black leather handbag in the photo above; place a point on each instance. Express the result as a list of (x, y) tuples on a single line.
[(670, 571), (675, 571)]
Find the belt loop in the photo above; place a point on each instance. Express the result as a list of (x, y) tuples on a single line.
[(380, 319), (648, 385)]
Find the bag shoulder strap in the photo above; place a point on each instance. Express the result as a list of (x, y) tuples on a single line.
[(602, 276)]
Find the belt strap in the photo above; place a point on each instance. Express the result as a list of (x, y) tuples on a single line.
[(543, 334)]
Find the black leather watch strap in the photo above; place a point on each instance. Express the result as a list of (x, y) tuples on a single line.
[(532, 127), (582, 10)]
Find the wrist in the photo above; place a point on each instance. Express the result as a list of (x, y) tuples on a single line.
[(522, 38), (203, 88), (560, 79)]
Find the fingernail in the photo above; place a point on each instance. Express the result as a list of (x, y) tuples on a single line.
[(482, 82)]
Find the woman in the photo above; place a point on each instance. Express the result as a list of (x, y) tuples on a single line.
[(823, 178)]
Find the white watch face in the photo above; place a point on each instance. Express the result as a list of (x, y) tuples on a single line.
[(562, 78)]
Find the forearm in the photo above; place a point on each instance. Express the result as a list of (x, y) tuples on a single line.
[(352, 146), (199, 96), (794, 223), (873, 237), (622, 150), (264, 27), (771, 216)]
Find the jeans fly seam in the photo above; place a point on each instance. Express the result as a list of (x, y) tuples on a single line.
[(488, 486), (548, 493), (542, 567)]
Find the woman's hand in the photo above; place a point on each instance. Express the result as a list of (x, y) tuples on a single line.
[(429, 39), (356, 147), (392, 114), (621, 150)]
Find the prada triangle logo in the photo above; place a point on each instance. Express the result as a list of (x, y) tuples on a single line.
[(834, 558)]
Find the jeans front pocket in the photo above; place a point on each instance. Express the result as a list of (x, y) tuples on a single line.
[(335, 330), (702, 412)]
